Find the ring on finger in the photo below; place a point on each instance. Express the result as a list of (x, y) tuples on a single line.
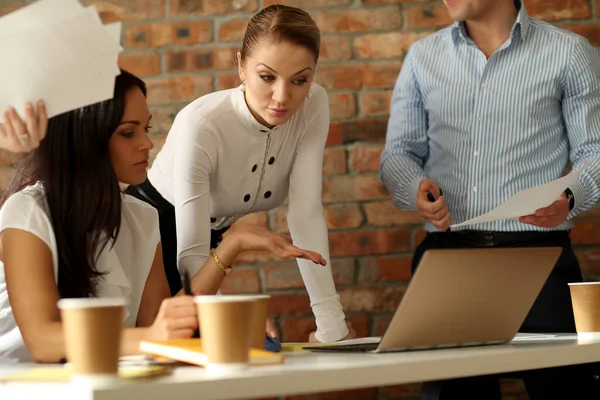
[(23, 137)]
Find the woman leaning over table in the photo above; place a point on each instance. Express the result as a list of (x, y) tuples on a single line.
[(67, 231), (244, 150)]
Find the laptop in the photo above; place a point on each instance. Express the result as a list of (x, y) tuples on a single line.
[(462, 297)]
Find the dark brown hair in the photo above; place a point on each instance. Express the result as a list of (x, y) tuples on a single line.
[(81, 189), (279, 23)]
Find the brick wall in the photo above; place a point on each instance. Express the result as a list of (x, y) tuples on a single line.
[(185, 48)]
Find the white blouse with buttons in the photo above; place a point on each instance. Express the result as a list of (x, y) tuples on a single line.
[(219, 164)]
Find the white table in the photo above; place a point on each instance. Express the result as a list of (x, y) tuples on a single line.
[(319, 372)]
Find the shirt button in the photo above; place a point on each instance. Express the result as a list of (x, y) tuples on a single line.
[(267, 194), (254, 168), (271, 160), (483, 85), (246, 198), (480, 119), (476, 153), (474, 188), (213, 220)]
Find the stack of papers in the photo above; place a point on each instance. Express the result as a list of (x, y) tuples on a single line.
[(60, 52)]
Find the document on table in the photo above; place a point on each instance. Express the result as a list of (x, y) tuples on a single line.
[(60, 52), (525, 202)]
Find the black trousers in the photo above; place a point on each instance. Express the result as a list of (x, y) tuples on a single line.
[(551, 312), (168, 230)]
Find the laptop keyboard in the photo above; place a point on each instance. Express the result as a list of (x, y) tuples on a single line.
[(358, 348)]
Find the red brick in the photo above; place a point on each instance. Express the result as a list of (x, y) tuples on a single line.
[(227, 81), (162, 119), (417, 237), (297, 329), (392, 1), (140, 64), (589, 260), (381, 324), (181, 89), (286, 274), (385, 269), (352, 188), (379, 298), (159, 34), (6, 173), (586, 232), (8, 10), (367, 242), (335, 48), (365, 158), (359, 323), (335, 162), (343, 216), (211, 7), (357, 394), (200, 59), (427, 15), (306, 4), (342, 105), (554, 10), (368, 130), (289, 304), (335, 135), (386, 45), (375, 103), (241, 280), (589, 31), (233, 30), (381, 74), (361, 20), (128, 10), (403, 391), (385, 213)]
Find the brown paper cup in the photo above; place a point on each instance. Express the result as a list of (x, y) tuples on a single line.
[(225, 327), (92, 328), (585, 297), (260, 308)]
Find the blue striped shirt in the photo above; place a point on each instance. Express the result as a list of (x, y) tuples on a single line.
[(484, 129)]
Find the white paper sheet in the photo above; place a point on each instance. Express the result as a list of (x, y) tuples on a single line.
[(63, 55), (526, 201)]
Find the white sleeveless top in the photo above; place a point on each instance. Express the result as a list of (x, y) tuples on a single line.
[(126, 264)]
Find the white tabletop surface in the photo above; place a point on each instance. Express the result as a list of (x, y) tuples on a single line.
[(319, 372)]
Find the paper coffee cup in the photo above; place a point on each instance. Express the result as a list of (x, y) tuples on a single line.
[(92, 328), (585, 297), (260, 310), (226, 334)]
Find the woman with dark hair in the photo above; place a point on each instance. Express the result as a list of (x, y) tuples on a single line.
[(67, 230), (244, 150)]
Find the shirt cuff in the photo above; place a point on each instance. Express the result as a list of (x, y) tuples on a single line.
[(413, 189), (330, 319), (579, 195)]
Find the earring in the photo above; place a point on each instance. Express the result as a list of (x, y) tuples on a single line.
[(243, 86), (310, 92)]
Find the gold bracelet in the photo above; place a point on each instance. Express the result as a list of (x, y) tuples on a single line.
[(226, 269)]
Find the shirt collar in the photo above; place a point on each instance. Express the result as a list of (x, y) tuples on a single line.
[(246, 117), (521, 25)]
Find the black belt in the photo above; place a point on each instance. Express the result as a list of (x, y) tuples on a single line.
[(497, 239)]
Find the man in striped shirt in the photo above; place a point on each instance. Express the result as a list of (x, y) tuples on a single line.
[(496, 103)]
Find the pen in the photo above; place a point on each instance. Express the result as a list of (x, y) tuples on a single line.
[(187, 289), (432, 199)]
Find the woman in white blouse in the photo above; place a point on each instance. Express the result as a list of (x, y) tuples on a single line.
[(243, 150), (67, 230)]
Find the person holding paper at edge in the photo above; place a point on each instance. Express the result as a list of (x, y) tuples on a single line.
[(244, 150), (21, 136), (496, 103)]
